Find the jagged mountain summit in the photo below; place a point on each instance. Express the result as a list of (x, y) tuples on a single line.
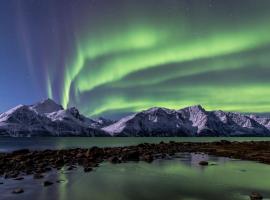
[(190, 121), (47, 118), (46, 106)]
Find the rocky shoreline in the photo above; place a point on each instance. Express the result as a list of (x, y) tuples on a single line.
[(25, 162)]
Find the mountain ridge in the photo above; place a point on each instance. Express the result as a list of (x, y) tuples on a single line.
[(189, 121), (35, 120), (47, 118)]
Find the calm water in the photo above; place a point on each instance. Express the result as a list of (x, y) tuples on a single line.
[(39, 143), (179, 178)]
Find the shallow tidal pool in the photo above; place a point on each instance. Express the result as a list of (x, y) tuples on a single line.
[(178, 178)]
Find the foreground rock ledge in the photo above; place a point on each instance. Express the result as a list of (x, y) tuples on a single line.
[(25, 162)]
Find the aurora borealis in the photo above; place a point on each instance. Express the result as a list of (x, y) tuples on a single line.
[(110, 57)]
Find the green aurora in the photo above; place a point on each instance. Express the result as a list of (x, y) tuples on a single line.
[(132, 55)]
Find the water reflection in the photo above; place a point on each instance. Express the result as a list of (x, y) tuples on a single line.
[(181, 178)]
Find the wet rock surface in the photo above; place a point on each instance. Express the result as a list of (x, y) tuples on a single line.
[(256, 196), (18, 178), (38, 176), (24, 162), (47, 183), (18, 191), (203, 163)]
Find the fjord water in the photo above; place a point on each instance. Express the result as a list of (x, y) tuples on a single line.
[(177, 178), (8, 144)]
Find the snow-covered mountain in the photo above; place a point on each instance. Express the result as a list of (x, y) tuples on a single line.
[(47, 118), (22, 120), (190, 121), (152, 122), (265, 121), (46, 106)]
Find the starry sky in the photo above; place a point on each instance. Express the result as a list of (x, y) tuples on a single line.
[(113, 57)]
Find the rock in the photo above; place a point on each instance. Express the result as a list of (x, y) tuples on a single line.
[(87, 169), (95, 165), (11, 174), (225, 142), (18, 191), (256, 196), (147, 158), (18, 178), (59, 162), (131, 156), (47, 183), (114, 159), (203, 163), (38, 176), (79, 155), (81, 161), (21, 151), (70, 168), (88, 153), (6, 176)]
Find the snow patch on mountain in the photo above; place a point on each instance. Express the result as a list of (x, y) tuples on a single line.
[(34, 120), (189, 121), (46, 106)]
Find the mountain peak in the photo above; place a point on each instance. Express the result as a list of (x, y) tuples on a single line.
[(46, 106), (74, 112), (18, 108), (195, 108), (158, 110), (48, 100)]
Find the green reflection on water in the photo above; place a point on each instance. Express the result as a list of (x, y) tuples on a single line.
[(172, 179), (180, 178)]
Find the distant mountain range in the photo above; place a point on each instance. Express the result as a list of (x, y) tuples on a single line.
[(48, 118)]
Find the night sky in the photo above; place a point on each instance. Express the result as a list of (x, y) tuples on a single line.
[(112, 57)]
